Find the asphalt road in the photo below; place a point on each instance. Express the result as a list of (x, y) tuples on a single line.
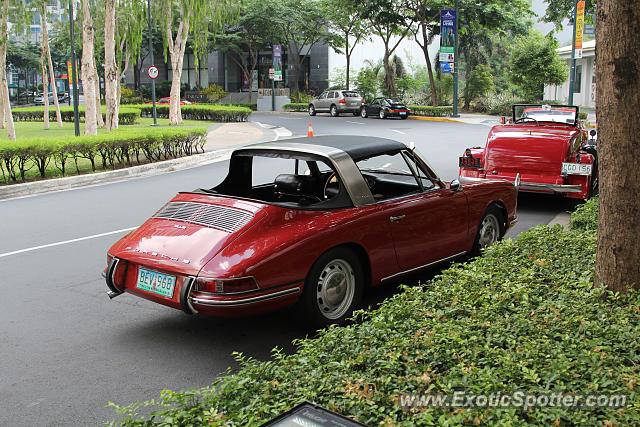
[(67, 350)]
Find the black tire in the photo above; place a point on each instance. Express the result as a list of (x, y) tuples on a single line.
[(404, 117), (382, 114), (312, 307), (481, 241), (333, 110), (363, 113), (312, 110)]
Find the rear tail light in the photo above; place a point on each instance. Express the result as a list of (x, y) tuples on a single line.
[(227, 286), (342, 101)]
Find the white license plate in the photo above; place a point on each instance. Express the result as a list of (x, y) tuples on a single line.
[(576, 169), (402, 113), (155, 282)]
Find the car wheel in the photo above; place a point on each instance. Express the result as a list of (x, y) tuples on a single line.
[(490, 230), (363, 113), (333, 288), (334, 111), (404, 117), (356, 113), (383, 114), (312, 110)]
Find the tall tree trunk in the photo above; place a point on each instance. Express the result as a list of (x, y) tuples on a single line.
[(45, 91), (617, 104), (427, 60), (389, 81), (176, 50), (348, 56), (88, 72), (4, 86), (99, 119), (111, 75), (49, 63)]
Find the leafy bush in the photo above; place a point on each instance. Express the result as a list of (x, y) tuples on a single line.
[(479, 83), (523, 317), (126, 115), (129, 96), (296, 106), (585, 217), (429, 111), (214, 113), (301, 97), (107, 150), (214, 92)]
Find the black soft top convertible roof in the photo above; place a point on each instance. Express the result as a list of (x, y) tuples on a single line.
[(357, 147)]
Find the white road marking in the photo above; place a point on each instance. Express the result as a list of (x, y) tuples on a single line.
[(398, 131), (355, 123), (281, 132), (66, 242)]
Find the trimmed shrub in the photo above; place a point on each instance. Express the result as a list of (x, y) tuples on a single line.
[(214, 113), (103, 151), (126, 115), (430, 111), (296, 106), (523, 317), (585, 217)]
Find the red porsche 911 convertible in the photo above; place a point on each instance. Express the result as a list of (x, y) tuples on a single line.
[(545, 147), (311, 222)]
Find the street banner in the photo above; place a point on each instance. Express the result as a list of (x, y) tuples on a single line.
[(277, 62), (70, 73), (580, 6), (447, 39)]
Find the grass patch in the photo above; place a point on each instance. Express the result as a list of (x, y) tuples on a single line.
[(523, 317)]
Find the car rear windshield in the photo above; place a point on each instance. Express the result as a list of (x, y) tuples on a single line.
[(350, 94)]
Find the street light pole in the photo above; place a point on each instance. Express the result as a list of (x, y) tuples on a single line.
[(456, 74), (153, 81), (74, 72), (572, 61)]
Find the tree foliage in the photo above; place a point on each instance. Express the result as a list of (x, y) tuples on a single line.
[(534, 62)]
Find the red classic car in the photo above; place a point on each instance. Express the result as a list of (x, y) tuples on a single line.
[(312, 222), (545, 147)]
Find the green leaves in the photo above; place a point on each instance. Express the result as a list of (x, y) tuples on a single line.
[(534, 62), (523, 317)]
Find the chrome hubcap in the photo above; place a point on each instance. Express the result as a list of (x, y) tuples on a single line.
[(381, 114), (311, 110), (335, 289), (363, 113), (333, 111), (489, 231)]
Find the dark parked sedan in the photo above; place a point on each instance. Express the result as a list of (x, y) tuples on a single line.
[(385, 107)]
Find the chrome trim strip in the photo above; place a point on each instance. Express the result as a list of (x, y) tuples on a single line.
[(402, 273), (185, 295), (243, 301), (110, 279)]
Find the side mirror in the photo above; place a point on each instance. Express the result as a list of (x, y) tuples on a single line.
[(455, 185)]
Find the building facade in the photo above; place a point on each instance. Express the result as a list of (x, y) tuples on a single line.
[(584, 91)]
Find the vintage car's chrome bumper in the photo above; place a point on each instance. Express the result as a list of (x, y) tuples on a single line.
[(530, 186), (552, 188), (206, 299)]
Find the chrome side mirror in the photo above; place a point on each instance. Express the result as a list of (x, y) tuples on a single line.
[(455, 185)]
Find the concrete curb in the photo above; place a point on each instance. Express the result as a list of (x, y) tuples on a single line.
[(435, 119), (61, 184)]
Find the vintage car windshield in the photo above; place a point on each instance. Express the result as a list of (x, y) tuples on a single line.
[(546, 113)]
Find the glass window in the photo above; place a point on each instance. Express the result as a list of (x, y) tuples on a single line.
[(266, 169), (388, 176), (350, 94)]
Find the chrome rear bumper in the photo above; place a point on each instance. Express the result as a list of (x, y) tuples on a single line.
[(551, 188)]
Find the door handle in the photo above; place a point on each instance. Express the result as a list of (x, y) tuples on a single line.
[(396, 218)]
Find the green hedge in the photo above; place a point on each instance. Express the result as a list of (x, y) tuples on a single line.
[(585, 217), (429, 111), (126, 115), (109, 150), (215, 113), (523, 317), (296, 106)]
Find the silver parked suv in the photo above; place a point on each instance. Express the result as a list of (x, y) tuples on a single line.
[(336, 102)]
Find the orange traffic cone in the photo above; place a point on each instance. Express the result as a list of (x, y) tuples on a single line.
[(310, 130)]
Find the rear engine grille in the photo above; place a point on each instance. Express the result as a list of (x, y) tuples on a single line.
[(220, 217)]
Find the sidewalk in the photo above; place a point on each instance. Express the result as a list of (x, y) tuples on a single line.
[(222, 138), (468, 118)]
